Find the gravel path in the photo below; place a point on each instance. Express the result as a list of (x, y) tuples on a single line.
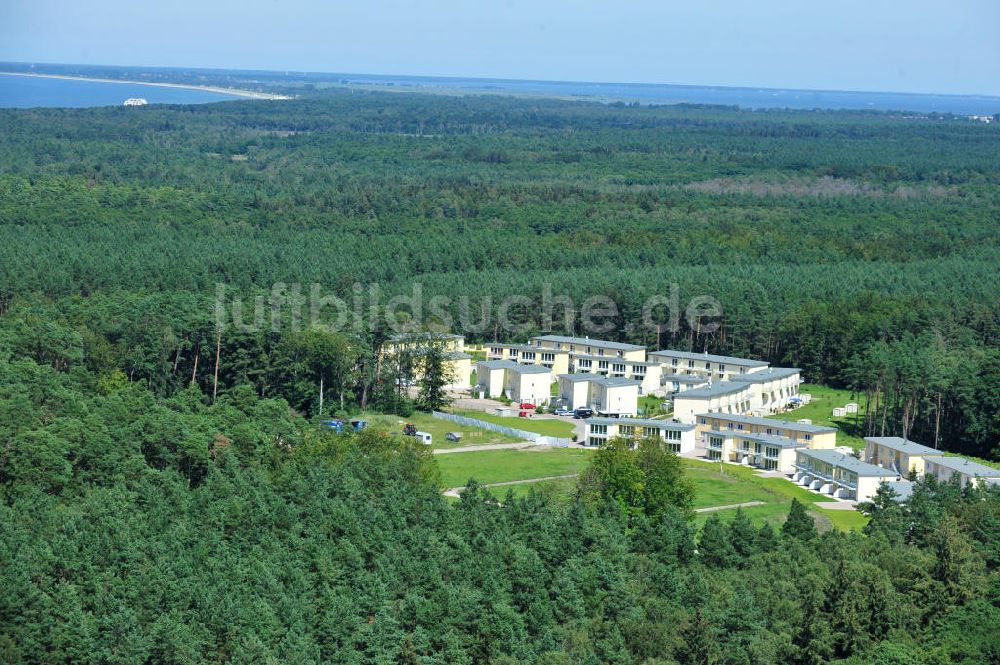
[(712, 509), (455, 490)]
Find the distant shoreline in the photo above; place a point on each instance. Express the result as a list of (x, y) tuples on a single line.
[(235, 92)]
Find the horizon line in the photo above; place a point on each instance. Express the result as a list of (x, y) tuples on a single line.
[(454, 77)]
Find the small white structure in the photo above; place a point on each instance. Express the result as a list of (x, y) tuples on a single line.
[(851, 408), (424, 438), (804, 421), (839, 412), (135, 101)]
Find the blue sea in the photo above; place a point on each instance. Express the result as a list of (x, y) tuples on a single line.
[(652, 93), (24, 92), (28, 92)]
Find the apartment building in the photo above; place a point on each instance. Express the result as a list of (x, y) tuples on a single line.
[(603, 394), (676, 383), (555, 360), (966, 470), (771, 388), (520, 383), (841, 476), (764, 451), (646, 373), (898, 454), (732, 397), (705, 364), (678, 437), (585, 346), (808, 435)]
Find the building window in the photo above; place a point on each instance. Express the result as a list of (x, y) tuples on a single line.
[(673, 362), (690, 364), (702, 421), (598, 429), (627, 430), (708, 365), (673, 435), (595, 441), (650, 431), (621, 354), (722, 368)]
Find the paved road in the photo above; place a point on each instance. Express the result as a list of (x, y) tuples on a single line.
[(455, 490), (712, 509)]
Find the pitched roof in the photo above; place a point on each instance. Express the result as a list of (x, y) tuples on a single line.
[(770, 422), (765, 375), (709, 357), (967, 467), (714, 390), (642, 422), (848, 462), (602, 380), (684, 378), (586, 341), (770, 439), (903, 445)]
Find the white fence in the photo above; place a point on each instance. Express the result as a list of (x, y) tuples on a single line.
[(503, 429)]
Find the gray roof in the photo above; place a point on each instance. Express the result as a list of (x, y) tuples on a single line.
[(848, 462), (529, 369), (497, 364), (614, 359), (714, 390), (684, 378), (765, 375), (770, 439), (422, 336), (967, 467), (770, 422), (902, 488), (689, 355), (603, 380), (524, 347), (586, 341), (903, 445), (457, 355), (642, 422)]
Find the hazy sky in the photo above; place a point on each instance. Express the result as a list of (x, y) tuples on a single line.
[(889, 45)]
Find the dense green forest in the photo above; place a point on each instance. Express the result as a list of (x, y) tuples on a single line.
[(142, 529), (166, 496), (862, 247)]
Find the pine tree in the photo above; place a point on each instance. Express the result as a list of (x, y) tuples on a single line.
[(714, 547), (433, 396), (798, 525)]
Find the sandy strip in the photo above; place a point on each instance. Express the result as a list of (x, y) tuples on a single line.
[(204, 88)]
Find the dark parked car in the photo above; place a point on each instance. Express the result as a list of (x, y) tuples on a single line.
[(582, 413)]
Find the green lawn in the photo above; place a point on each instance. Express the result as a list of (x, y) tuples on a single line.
[(650, 405), (545, 426), (820, 411), (498, 466), (738, 484), (437, 428)]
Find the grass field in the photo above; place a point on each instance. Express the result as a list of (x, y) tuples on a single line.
[(545, 426), (437, 428), (498, 466), (820, 411), (738, 484)]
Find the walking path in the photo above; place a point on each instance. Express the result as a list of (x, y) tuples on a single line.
[(488, 446), (455, 490), (712, 509)]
